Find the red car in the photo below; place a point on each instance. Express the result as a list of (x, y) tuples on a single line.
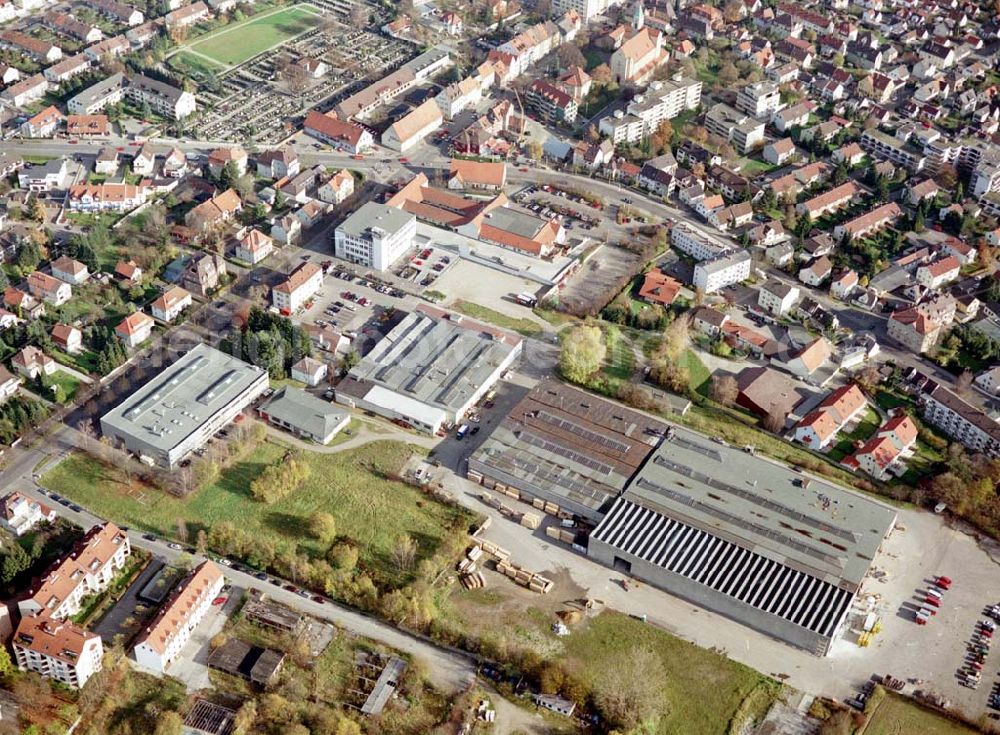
[(219, 600), (944, 582), (932, 601)]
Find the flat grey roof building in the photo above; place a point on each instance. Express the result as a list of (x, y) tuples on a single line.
[(182, 407), (304, 414), (430, 369), (372, 214), (746, 537), (567, 447)]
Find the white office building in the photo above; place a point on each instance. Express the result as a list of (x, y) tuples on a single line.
[(375, 236)]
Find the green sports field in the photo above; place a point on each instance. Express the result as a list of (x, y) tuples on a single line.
[(238, 42)]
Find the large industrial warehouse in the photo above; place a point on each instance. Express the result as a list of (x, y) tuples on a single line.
[(567, 447), (180, 409), (745, 537), (430, 369)]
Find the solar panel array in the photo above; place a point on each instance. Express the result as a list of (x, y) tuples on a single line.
[(536, 441), (584, 433), (724, 567)]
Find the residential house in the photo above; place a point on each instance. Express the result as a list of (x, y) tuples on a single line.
[(19, 513), (837, 410), (337, 188), (43, 124), (777, 297), (169, 305), (202, 273), (843, 284), (144, 161), (135, 329), (300, 286), (128, 272), (175, 164), (252, 246), (57, 649), (71, 271), (309, 371), (659, 288), (162, 641), (553, 104), (939, 272), (278, 163), (816, 272), (67, 338), (779, 152), (49, 288), (214, 212), (220, 157), (413, 127), (341, 134), (961, 421)]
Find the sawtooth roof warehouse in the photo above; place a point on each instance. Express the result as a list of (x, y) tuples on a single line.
[(737, 534)]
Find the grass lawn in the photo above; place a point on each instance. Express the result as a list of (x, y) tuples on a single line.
[(370, 510), (901, 715), (67, 382), (751, 167), (620, 362), (236, 43), (691, 673), (864, 429), (698, 373), (525, 327), (199, 65)]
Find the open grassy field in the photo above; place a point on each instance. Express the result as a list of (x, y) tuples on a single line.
[(370, 511), (186, 61), (698, 374), (692, 672), (896, 715), (238, 42)]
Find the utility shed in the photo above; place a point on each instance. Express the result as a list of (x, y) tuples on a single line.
[(255, 664), (567, 447), (744, 537)]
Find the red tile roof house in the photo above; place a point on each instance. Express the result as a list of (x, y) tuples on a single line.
[(659, 288), (837, 410), (883, 454), (49, 288), (128, 271), (135, 329), (936, 274), (23, 303), (170, 303), (32, 362), (67, 338)]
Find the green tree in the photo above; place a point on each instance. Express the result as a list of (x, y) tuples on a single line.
[(7, 667), (323, 527), (15, 558), (583, 353), (229, 176)]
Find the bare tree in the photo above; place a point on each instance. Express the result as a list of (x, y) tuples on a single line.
[(359, 16), (725, 389), (182, 530), (774, 421), (404, 552), (964, 381)]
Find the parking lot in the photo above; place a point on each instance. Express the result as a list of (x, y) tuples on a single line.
[(349, 301), (424, 266)]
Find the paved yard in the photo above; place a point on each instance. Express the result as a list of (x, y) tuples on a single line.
[(468, 281), (191, 666), (922, 545)]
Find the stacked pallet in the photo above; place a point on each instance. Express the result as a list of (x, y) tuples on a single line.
[(473, 581), (525, 577), (566, 535), (530, 520), (497, 552)]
